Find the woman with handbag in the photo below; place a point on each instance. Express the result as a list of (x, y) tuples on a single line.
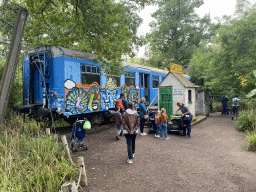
[(187, 116), (143, 115)]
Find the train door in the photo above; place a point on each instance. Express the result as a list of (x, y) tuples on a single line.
[(38, 86), (144, 86)]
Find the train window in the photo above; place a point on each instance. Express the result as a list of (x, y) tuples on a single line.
[(90, 74), (83, 68), (189, 96), (94, 70), (88, 68), (130, 79), (155, 81)]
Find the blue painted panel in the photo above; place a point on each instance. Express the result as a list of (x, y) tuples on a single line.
[(26, 81)]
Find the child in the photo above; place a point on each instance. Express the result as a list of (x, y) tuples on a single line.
[(157, 122), (118, 122), (163, 121)]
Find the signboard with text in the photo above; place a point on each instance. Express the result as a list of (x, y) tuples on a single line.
[(177, 91), (174, 68)]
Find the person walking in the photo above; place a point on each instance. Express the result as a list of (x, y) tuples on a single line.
[(185, 111), (130, 123), (163, 122), (235, 106), (224, 102), (118, 122), (143, 113)]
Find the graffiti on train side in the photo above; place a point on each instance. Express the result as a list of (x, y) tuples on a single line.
[(81, 98)]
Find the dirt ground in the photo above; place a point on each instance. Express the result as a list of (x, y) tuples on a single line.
[(214, 158)]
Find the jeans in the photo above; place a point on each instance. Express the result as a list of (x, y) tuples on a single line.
[(130, 140), (224, 110), (142, 124), (157, 129), (118, 127), (235, 111), (188, 126), (163, 130)]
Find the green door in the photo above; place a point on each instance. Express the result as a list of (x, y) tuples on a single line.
[(165, 100)]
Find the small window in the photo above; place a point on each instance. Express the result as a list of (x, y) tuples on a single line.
[(83, 68), (189, 96), (94, 70), (155, 81), (130, 79), (88, 68), (90, 74)]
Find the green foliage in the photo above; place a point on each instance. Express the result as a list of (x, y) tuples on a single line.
[(252, 92), (216, 106), (177, 31), (246, 120), (251, 138), (30, 163), (106, 28)]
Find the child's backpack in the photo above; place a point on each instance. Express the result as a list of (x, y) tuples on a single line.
[(87, 125), (119, 103)]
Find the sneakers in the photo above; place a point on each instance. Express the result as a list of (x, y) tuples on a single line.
[(143, 134), (157, 136), (117, 137), (133, 155), (232, 118), (129, 161), (187, 136), (167, 138), (162, 138)]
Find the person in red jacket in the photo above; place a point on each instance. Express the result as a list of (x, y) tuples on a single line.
[(130, 124)]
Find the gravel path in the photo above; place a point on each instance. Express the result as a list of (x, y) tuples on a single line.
[(214, 158)]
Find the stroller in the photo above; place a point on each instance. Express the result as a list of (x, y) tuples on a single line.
[(152, 124), (176, 123), (78, 137)]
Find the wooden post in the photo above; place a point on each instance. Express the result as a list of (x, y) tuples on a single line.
[(12, 60), (69, 186), (83, 179), (48, 131), (65, 143)]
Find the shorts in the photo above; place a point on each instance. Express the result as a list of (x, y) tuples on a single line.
[(119, 127)]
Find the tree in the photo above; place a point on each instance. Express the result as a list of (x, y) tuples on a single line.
[(105, 28), (177, 31)]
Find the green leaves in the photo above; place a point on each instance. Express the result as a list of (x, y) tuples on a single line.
[(177, 31)]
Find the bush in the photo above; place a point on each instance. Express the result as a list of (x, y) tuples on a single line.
[(29, 163), (246, 121), (216, 106), (251, 138)]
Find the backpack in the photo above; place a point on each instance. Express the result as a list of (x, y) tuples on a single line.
[(119, 103), (235, 101)]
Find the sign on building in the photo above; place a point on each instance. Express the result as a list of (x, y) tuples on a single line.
[(177, 92), (174, 68)]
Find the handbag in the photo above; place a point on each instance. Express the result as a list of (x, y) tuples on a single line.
[(146, 116)]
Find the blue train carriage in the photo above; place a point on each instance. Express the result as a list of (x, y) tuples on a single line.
[(69, 83)]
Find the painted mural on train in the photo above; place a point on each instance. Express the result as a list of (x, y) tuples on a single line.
[(81, 98)]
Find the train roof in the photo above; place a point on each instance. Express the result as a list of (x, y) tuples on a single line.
[(61, 51)]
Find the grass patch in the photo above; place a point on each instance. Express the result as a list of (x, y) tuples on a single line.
[(30, 160), (246, 121), (251, 138)]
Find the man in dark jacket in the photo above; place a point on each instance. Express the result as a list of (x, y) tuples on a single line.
[(123, 100), (224, 102)]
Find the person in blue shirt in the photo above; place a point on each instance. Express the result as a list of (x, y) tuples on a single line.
[(143, 112), (235, 106)]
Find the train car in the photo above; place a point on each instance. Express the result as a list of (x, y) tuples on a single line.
[(68, 83)]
